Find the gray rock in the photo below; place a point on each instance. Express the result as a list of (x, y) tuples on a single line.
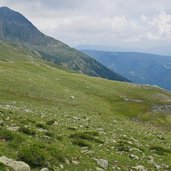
[(13, 128), (99, 169), (1, 122), (75, 162), (103, 163), (67, 161), (140, 168), (61, 166), (72, 97), (15, 165), (134, 156), (44, 169)]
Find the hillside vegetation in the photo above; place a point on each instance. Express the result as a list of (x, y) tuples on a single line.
[(67, 121)]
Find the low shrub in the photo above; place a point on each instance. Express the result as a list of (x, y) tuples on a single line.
[(71, 128), (122, 146), (50, 122), (34, 155), (7, 135), (2, 167), (56, 154), (159, 150), (86, 136), (81, 143), (41, 155), (41, 125), (27, 130)]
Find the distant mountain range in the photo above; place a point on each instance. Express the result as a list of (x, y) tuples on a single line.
[(160, 50), (15, 28), (139, 67)]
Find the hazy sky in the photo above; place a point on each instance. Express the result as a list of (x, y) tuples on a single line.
[(114, 23)]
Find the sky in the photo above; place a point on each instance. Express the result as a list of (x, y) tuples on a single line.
[(135, 25)]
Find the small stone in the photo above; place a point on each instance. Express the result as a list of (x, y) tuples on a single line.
[(76, 118), (75, 162), (140, 168), (134, 156), (13, 128), (44, 169), (55, 123), (61, 166), (157, 166), (72, 97), (124, 136), (1, 122), (67, 161), (103, 163), (99, 169), (160, 137)]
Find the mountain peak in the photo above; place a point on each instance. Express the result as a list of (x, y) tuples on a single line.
[(5, 8), (14, 27)]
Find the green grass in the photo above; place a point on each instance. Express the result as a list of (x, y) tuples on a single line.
[(102, 121)]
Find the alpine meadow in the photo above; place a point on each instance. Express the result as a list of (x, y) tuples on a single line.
[(60, 109)]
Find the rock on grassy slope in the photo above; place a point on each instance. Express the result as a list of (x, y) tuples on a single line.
[(50, 118), (14, 27)]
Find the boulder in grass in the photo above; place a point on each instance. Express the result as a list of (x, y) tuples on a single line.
[(15, 165), (140, 168)]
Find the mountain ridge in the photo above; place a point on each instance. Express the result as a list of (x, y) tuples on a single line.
[(14, 27), (142, 68)]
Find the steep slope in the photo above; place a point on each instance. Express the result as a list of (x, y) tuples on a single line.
[(10, 52), (138, 67), (67, 121), (14, 27)]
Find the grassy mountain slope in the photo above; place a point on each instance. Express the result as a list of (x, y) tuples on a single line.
[(13, 52), (14, 27), (138, 67), (66, 121)]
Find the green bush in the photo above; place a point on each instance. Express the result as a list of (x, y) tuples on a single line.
[(90, 136), (27, 130), (159, 150), (81, 143), (122, 146), (34, 155), (50, 134), (41, 125), (7, 135), (50, 122), (92, 133), (83, 139), (41, 155), (2, 167), (55, 154), (71, 128)]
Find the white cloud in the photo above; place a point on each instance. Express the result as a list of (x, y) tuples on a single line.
[(106, 22)]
